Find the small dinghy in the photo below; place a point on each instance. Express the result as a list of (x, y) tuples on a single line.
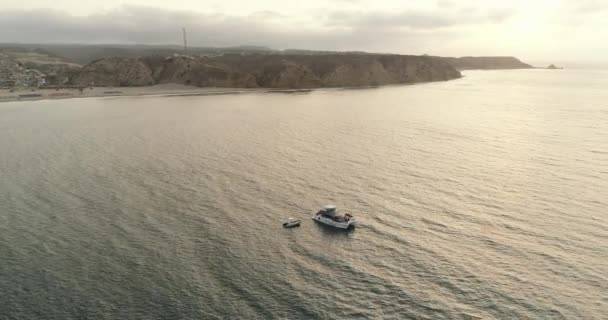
[(292, 222)]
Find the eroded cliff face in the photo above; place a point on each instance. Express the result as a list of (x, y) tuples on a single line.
[(198, 72), (286, 74), (114, 72), (267, 71)]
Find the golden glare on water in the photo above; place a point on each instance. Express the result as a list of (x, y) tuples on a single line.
[(479, 197)]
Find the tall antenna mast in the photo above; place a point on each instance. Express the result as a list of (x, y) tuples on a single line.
[(185, 41)]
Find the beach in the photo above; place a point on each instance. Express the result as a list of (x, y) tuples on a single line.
[(32, 94)]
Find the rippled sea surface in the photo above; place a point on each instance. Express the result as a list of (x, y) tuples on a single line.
[(480, 197)]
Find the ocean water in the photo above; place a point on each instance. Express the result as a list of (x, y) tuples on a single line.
[(484, 197)]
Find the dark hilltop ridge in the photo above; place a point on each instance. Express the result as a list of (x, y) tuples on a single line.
[(242, 67), (486, 63)]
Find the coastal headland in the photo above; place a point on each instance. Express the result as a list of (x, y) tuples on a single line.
[(33, 74)]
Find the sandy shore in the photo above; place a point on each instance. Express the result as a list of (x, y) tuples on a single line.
[(25, 94)]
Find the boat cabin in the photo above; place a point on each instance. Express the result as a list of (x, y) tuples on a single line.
[(328, 210)]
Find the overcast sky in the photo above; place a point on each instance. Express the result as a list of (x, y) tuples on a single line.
[(537, 30)]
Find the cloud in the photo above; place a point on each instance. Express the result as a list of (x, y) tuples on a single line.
[(418, 19), (131, 24), (591, 6), (146, 25), (444, 3), (360, 20)]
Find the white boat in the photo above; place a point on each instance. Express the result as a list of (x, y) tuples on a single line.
[(292, 222), (328, 215)]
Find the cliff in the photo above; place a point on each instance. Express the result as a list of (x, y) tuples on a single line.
[(485, 63), (266, 70), (114, 72)]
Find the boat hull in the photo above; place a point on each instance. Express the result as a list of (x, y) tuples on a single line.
[(332, 223), (292, 224)]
